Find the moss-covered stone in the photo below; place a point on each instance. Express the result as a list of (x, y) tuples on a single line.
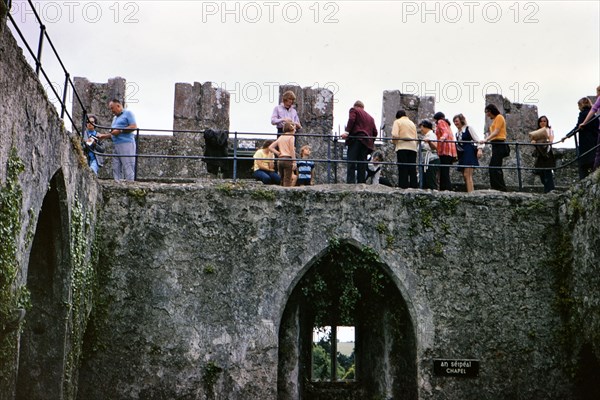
[(11, 296)]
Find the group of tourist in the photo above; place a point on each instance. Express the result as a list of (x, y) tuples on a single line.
[(286, 170), (121, 134), (276, 162), (440, 148)]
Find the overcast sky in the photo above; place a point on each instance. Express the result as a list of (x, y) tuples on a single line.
[(545, 53)]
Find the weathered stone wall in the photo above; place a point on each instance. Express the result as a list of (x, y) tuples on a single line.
[(199, 275), (48, 202), (95, 98), (197, 107), (576, 272)]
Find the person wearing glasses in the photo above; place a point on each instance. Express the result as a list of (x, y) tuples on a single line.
[(90, 137)]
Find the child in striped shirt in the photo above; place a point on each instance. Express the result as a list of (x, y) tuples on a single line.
[(305, 167)]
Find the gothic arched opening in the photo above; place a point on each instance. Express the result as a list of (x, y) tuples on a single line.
[(346, 287), (42, 345)]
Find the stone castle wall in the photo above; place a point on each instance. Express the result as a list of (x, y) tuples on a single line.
[(48, 205), (200, 275)]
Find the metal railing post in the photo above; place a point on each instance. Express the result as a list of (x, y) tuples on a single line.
[(335, 155), (38, 60), (137, 141), (64, 97), (235, 147), (518, 157), (421, 166), (329, 159)]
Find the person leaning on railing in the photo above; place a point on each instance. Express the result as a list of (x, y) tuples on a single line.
[(590, 115), (588, 137), (360, 137), (430, 158)]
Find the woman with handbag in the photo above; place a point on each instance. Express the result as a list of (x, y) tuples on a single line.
[(544, 157)]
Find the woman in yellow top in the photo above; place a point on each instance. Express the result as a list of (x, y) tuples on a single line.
[(500, 150), (264, 168)]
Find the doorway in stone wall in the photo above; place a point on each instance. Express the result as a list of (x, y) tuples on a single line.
[(42, 345), (346, 332)]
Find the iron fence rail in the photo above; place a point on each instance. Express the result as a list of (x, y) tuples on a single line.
[(333, 143), (37, 58)]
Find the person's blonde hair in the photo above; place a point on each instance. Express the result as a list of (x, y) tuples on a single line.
[(461, 118), (288, 95), (304, 148), (289, 127)]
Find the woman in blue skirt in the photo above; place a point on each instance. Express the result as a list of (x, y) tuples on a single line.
[(467, 148)]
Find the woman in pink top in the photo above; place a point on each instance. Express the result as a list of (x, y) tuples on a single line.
[(446, 149)]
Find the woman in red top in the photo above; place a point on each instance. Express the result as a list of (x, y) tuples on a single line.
[(446, 149)]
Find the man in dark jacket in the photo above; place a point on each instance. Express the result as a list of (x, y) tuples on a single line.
[(360, 138)]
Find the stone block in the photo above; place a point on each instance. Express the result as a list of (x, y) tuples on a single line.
[(184, 104)]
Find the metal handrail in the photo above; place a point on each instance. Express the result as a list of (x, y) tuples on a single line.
[(329, 161), (37, 58)]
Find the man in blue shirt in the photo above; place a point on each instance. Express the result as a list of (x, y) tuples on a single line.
[(121, 133)]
